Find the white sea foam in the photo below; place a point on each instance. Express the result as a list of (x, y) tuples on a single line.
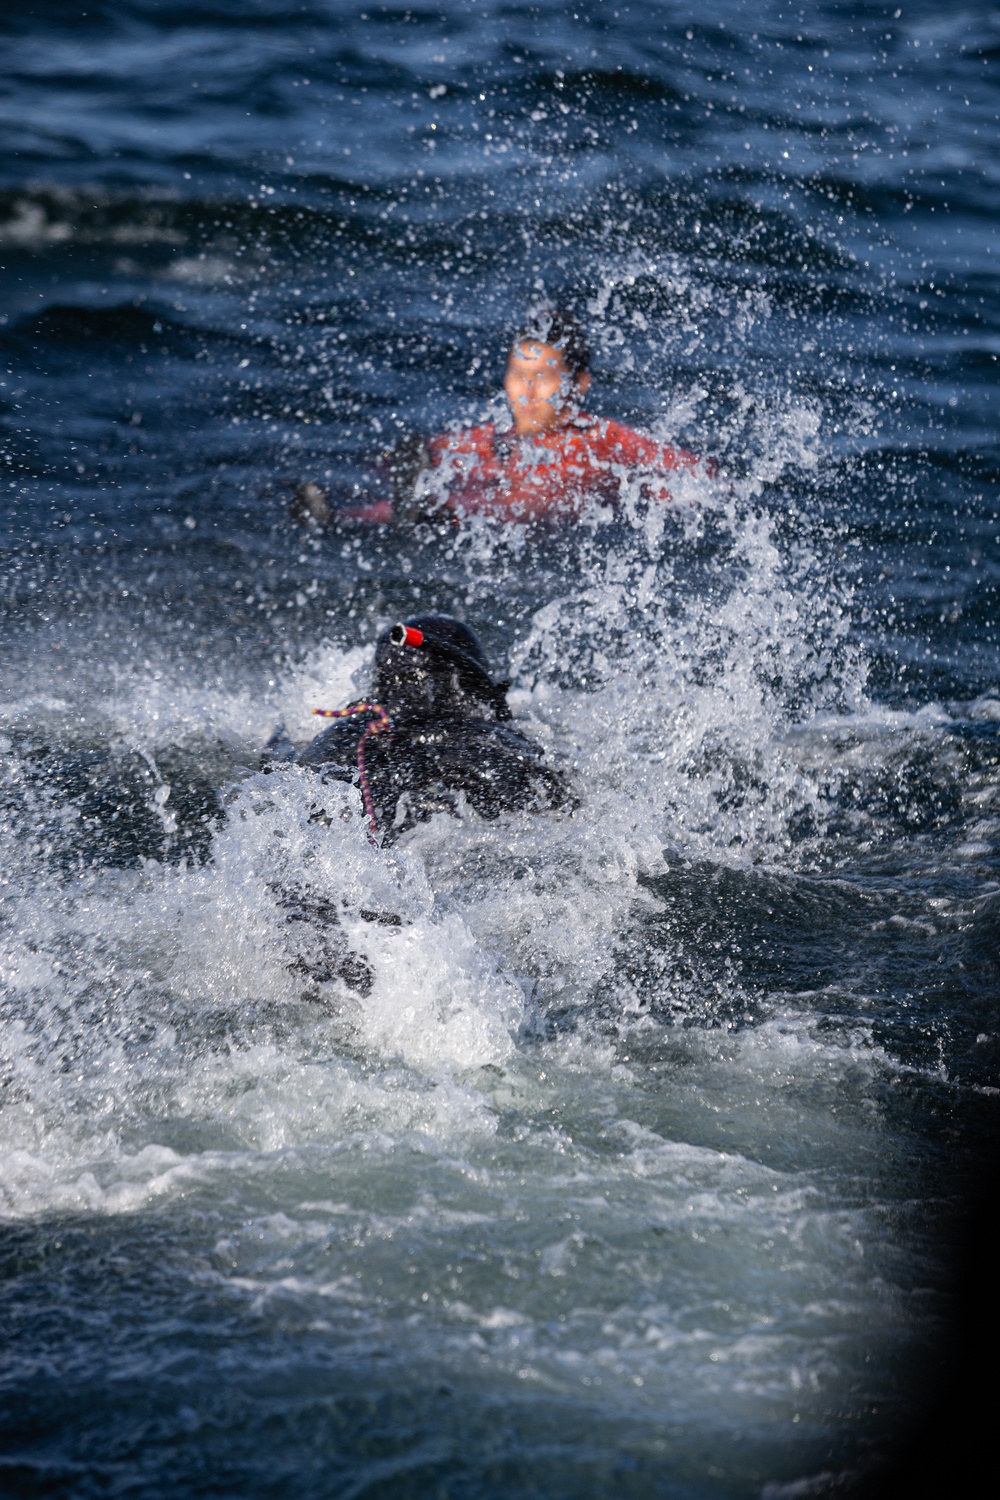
[(496, 1142)]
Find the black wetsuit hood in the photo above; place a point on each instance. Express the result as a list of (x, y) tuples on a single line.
[(434, 666), (451, 743)]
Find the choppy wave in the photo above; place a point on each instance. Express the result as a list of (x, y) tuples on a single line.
[(608, 1150)]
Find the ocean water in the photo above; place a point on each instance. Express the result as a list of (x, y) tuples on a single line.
[(640, 1170)]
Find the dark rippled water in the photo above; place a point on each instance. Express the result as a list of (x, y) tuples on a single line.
[(642, 1168)]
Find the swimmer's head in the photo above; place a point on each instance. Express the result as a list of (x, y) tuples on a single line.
[(548, 371), (433, 666)]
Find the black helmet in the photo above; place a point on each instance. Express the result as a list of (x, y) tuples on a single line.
[(434, 665)]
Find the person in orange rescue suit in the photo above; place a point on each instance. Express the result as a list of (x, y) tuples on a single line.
[(551, 462)]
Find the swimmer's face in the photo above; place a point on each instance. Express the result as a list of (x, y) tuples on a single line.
[(540, 389)]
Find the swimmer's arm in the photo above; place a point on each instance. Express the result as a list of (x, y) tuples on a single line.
[(658, 486), (655, 461), (376, 513), (392, 481), (402, 467), (333, 751)]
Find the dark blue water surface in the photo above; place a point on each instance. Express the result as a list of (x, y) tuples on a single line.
[(640, 1171)]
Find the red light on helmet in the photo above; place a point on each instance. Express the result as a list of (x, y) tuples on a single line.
[(406, 635)]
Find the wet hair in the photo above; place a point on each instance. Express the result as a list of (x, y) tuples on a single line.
[(561, 330), (445, 676)]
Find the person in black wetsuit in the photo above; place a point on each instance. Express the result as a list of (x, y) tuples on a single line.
[(451, 741)]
